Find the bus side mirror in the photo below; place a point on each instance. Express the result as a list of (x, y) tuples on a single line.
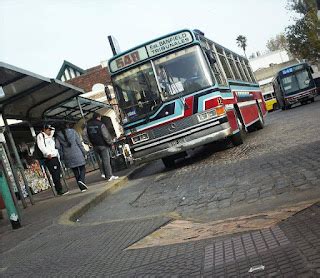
[(210, 57)]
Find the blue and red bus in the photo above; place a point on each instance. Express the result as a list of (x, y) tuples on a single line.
[(295, 84), (182, 91)]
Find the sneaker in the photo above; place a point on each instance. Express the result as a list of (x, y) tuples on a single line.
[(103, 176), (83, 190), (63, 193), (83, 185), (113, 178)]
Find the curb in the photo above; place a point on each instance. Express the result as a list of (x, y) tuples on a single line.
[(70, 216)]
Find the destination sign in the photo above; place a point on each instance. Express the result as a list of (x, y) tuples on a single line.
[(128, 59), (168, 43), (292, 69), (150, 50)]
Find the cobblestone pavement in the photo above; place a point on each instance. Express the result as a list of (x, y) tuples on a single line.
[(277, 164), (280, 160), (291, 249)]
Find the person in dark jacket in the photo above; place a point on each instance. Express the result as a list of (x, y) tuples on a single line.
[(72, 153), (99, 137)]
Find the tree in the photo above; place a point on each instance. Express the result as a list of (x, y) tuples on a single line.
[(242, 43), (302, 37), (279, 42)]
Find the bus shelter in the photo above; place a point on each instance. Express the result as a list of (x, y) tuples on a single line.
[(36, 99)]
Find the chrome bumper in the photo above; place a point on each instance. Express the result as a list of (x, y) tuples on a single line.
[(193, 138)]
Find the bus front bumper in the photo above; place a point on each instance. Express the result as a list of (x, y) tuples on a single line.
[(303, 96), (187, 142)]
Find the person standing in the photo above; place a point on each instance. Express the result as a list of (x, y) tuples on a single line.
[(46, 145), (100, 138), (72, 153)]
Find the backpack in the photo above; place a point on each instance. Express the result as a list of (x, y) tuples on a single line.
[(37, 154)]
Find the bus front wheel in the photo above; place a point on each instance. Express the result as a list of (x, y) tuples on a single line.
[(168, 162), (236, 139), (286, 107)]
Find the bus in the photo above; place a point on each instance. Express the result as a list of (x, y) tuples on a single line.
[(270, 100), (294, 84), (182, 91)]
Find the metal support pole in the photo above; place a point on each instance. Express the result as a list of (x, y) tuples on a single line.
[(15, 175), (81, 111), (10, 184), (8, 199), (63, 175), (48, 176), (16, 154)]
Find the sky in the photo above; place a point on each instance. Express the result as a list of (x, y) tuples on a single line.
[(38, 35)]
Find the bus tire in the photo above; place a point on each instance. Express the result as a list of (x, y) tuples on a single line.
[(275, 107), (260, 123), (237, 139), (168, 162)]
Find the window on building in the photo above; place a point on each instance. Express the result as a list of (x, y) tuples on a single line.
[(66, 74), (72, 73)]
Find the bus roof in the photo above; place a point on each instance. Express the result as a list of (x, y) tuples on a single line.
[(193, 33), (151, 41), (292, 66)]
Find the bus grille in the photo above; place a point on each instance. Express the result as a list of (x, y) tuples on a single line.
[(174, 126)]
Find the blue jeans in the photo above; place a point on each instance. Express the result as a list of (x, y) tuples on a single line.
[(80, 173), (104, 154)]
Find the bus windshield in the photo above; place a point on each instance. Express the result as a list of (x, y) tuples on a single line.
[(137, 91), (142, 89), (296, 81), (182, 72)]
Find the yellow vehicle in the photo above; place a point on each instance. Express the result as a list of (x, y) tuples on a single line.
[(271, 101)]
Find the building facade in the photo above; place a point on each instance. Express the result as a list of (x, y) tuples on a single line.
[(93, 81)]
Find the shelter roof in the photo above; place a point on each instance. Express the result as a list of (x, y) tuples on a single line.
[(32, 97)]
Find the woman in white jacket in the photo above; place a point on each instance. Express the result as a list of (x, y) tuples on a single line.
[(46, 144)]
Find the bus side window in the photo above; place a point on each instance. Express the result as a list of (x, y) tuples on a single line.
[(215, 68)]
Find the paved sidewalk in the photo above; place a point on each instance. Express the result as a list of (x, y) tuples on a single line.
[(48, 209), (46, 248)]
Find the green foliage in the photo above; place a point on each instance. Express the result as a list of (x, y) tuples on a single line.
[(279, 42), (242, 43), (303, 38)]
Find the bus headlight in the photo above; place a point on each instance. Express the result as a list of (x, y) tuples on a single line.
[(207, 115), (140, 138)]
